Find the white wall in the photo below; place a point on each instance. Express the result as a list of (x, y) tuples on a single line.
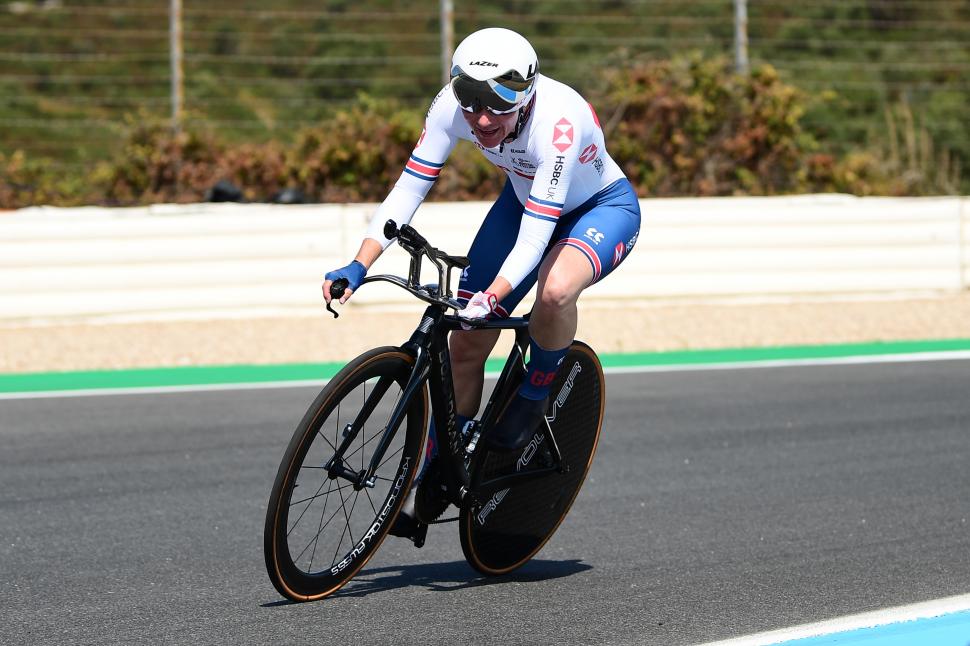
[(227, 259)]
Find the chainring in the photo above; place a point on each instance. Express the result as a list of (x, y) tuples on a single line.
[(431, 498)]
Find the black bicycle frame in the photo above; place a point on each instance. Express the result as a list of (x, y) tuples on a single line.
[(428, 345)]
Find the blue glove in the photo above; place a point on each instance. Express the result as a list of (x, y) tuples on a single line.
[(354, 273)]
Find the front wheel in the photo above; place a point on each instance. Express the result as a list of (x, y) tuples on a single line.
[(320, 529), (502, 533)]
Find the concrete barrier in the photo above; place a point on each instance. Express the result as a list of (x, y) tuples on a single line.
[(223, 259)]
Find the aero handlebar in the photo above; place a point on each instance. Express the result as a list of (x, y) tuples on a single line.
[(418, 248)]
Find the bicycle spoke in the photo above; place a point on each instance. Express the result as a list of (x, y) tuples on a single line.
[(316, 539), (370, 500), (342, 534), (324, 438), (369, 404), (390, 457), (360, 448), (352, 507), (317, 495), (317, 535), (347, 516), (323, 526), (336, 431), (310, 499)]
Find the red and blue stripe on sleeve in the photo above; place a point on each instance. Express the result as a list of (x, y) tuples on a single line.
[(543, 209), (422, 169)]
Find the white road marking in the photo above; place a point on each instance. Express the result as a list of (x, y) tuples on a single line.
[(884, 617)]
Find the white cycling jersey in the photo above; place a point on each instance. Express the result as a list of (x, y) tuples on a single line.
[(558, 162)]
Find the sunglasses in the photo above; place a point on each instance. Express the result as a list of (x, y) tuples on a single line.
[(501, 95)]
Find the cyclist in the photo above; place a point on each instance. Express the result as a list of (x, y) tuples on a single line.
[(566, 217)]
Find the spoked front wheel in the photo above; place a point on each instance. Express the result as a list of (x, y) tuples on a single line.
[(322, 527), (502, 533)]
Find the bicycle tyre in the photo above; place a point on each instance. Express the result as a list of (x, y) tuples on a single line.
[(291, 571), (503, 533)]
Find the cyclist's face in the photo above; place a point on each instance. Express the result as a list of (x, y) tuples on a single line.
[(490, 129)]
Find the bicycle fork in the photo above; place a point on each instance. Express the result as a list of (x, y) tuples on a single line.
[(336, 468)]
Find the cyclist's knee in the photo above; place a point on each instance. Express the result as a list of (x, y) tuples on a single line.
[(564, 275), (558, 292)]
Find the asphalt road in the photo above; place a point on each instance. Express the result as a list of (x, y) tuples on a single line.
[(721, 503)]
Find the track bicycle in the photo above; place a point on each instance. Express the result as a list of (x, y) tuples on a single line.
[(354, 456)]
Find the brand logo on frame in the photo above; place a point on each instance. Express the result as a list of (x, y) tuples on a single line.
[(564, 392), (491, 506)]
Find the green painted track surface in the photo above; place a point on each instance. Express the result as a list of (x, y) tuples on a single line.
[(302, 372)]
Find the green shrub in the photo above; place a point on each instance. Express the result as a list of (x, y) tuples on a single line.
[(683, 127), (360, 153), (690, 126), (357, 155), (905, 161), (29, 182), (259, 170), (159, 165)]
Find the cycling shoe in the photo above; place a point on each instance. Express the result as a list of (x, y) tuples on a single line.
[(517, 424)]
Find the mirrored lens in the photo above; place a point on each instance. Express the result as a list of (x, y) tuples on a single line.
[(476, 95)]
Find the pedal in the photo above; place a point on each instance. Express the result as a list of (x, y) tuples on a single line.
[(420, 533), (431, 498), (410, 528)]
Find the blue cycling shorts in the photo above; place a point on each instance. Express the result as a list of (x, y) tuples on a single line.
[(604, 229)]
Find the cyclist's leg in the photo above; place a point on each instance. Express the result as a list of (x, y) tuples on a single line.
[(588, 249), (593, 244), (593, 241), (563, 275), (469, 350), (604, 232), (596, 239)]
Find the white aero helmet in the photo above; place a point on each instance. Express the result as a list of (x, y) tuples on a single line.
[(494, 69)]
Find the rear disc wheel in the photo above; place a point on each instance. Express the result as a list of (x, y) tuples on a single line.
[(502, 533)]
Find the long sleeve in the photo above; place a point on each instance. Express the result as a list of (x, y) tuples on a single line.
[(422, 169), (558, 158)]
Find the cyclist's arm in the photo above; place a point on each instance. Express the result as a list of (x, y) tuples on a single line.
[(542, 210), (370, 250), (435, 144)]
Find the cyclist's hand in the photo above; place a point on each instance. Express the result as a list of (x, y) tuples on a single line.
[(479, 306), (354, 273)]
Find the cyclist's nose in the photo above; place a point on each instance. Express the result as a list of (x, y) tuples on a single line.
[(485, 119)]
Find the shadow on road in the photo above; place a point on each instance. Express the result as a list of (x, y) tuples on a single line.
[(447, 577)]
